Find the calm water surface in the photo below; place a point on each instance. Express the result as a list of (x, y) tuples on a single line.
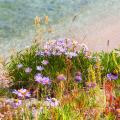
[(16, 19)]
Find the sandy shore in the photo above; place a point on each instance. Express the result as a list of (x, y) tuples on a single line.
[(97, 34)]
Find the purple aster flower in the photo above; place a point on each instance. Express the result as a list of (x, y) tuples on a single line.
[(61, 46), (91, 85), (19, 66), (45, 81), (63, 50), (78, 73), (61, 77), (84, 47), (44, 62), (51, 102), (58, 53), (40, 68), (38, 78), (22, 93), (112, 76), (60, 42), (40, 53), (54, 52), (28, 70), (47, 52), (78, 78), (87, 54), (17, 103), (71, 54)]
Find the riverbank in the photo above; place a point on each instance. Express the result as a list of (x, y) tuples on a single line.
[(64, 80)]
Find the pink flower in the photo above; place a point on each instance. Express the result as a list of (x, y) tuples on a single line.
[(51, 102), (78, 78), (17, 103), (19, 66), (61, 77), (43, 80), (44, 62), (40, 68), (22, 93), (28, 70), (38, 78)]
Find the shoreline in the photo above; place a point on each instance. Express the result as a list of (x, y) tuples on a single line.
[(96, 36)]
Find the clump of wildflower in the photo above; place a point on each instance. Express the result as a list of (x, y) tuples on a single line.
[(16, 103), (38, 77), (19, 66), (91, 85), (86, 51), (45, 81), (22, 93), (98, 71), (44, 62), (71, 54), (59, 47), (39, 53), (42, 79), (87, 54), (115, 71), (114, 58), (91, 74), (61, 77), (51, 102), (78, 77), (40, 68), (84, 47), (91, 77), (35, 111), (112, 76), (28, 70), (78, 73)]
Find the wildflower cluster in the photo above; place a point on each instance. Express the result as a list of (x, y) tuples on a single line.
[(51, 102), (58, 47), (61, 77), (41, 79), (78, 76), (112, 76), (58, 71), (22, 93)]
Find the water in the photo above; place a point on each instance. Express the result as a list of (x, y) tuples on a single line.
[(92, 17)]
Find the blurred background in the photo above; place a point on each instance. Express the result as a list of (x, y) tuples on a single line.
[(93, 22)]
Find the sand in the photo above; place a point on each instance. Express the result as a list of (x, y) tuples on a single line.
[(98, 33)]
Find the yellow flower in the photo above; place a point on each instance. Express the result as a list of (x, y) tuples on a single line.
[(16, 100), (91, 74)]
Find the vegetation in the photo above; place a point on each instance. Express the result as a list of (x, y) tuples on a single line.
[(62, 80)]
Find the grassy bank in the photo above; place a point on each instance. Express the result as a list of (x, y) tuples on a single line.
[(62, 81)]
